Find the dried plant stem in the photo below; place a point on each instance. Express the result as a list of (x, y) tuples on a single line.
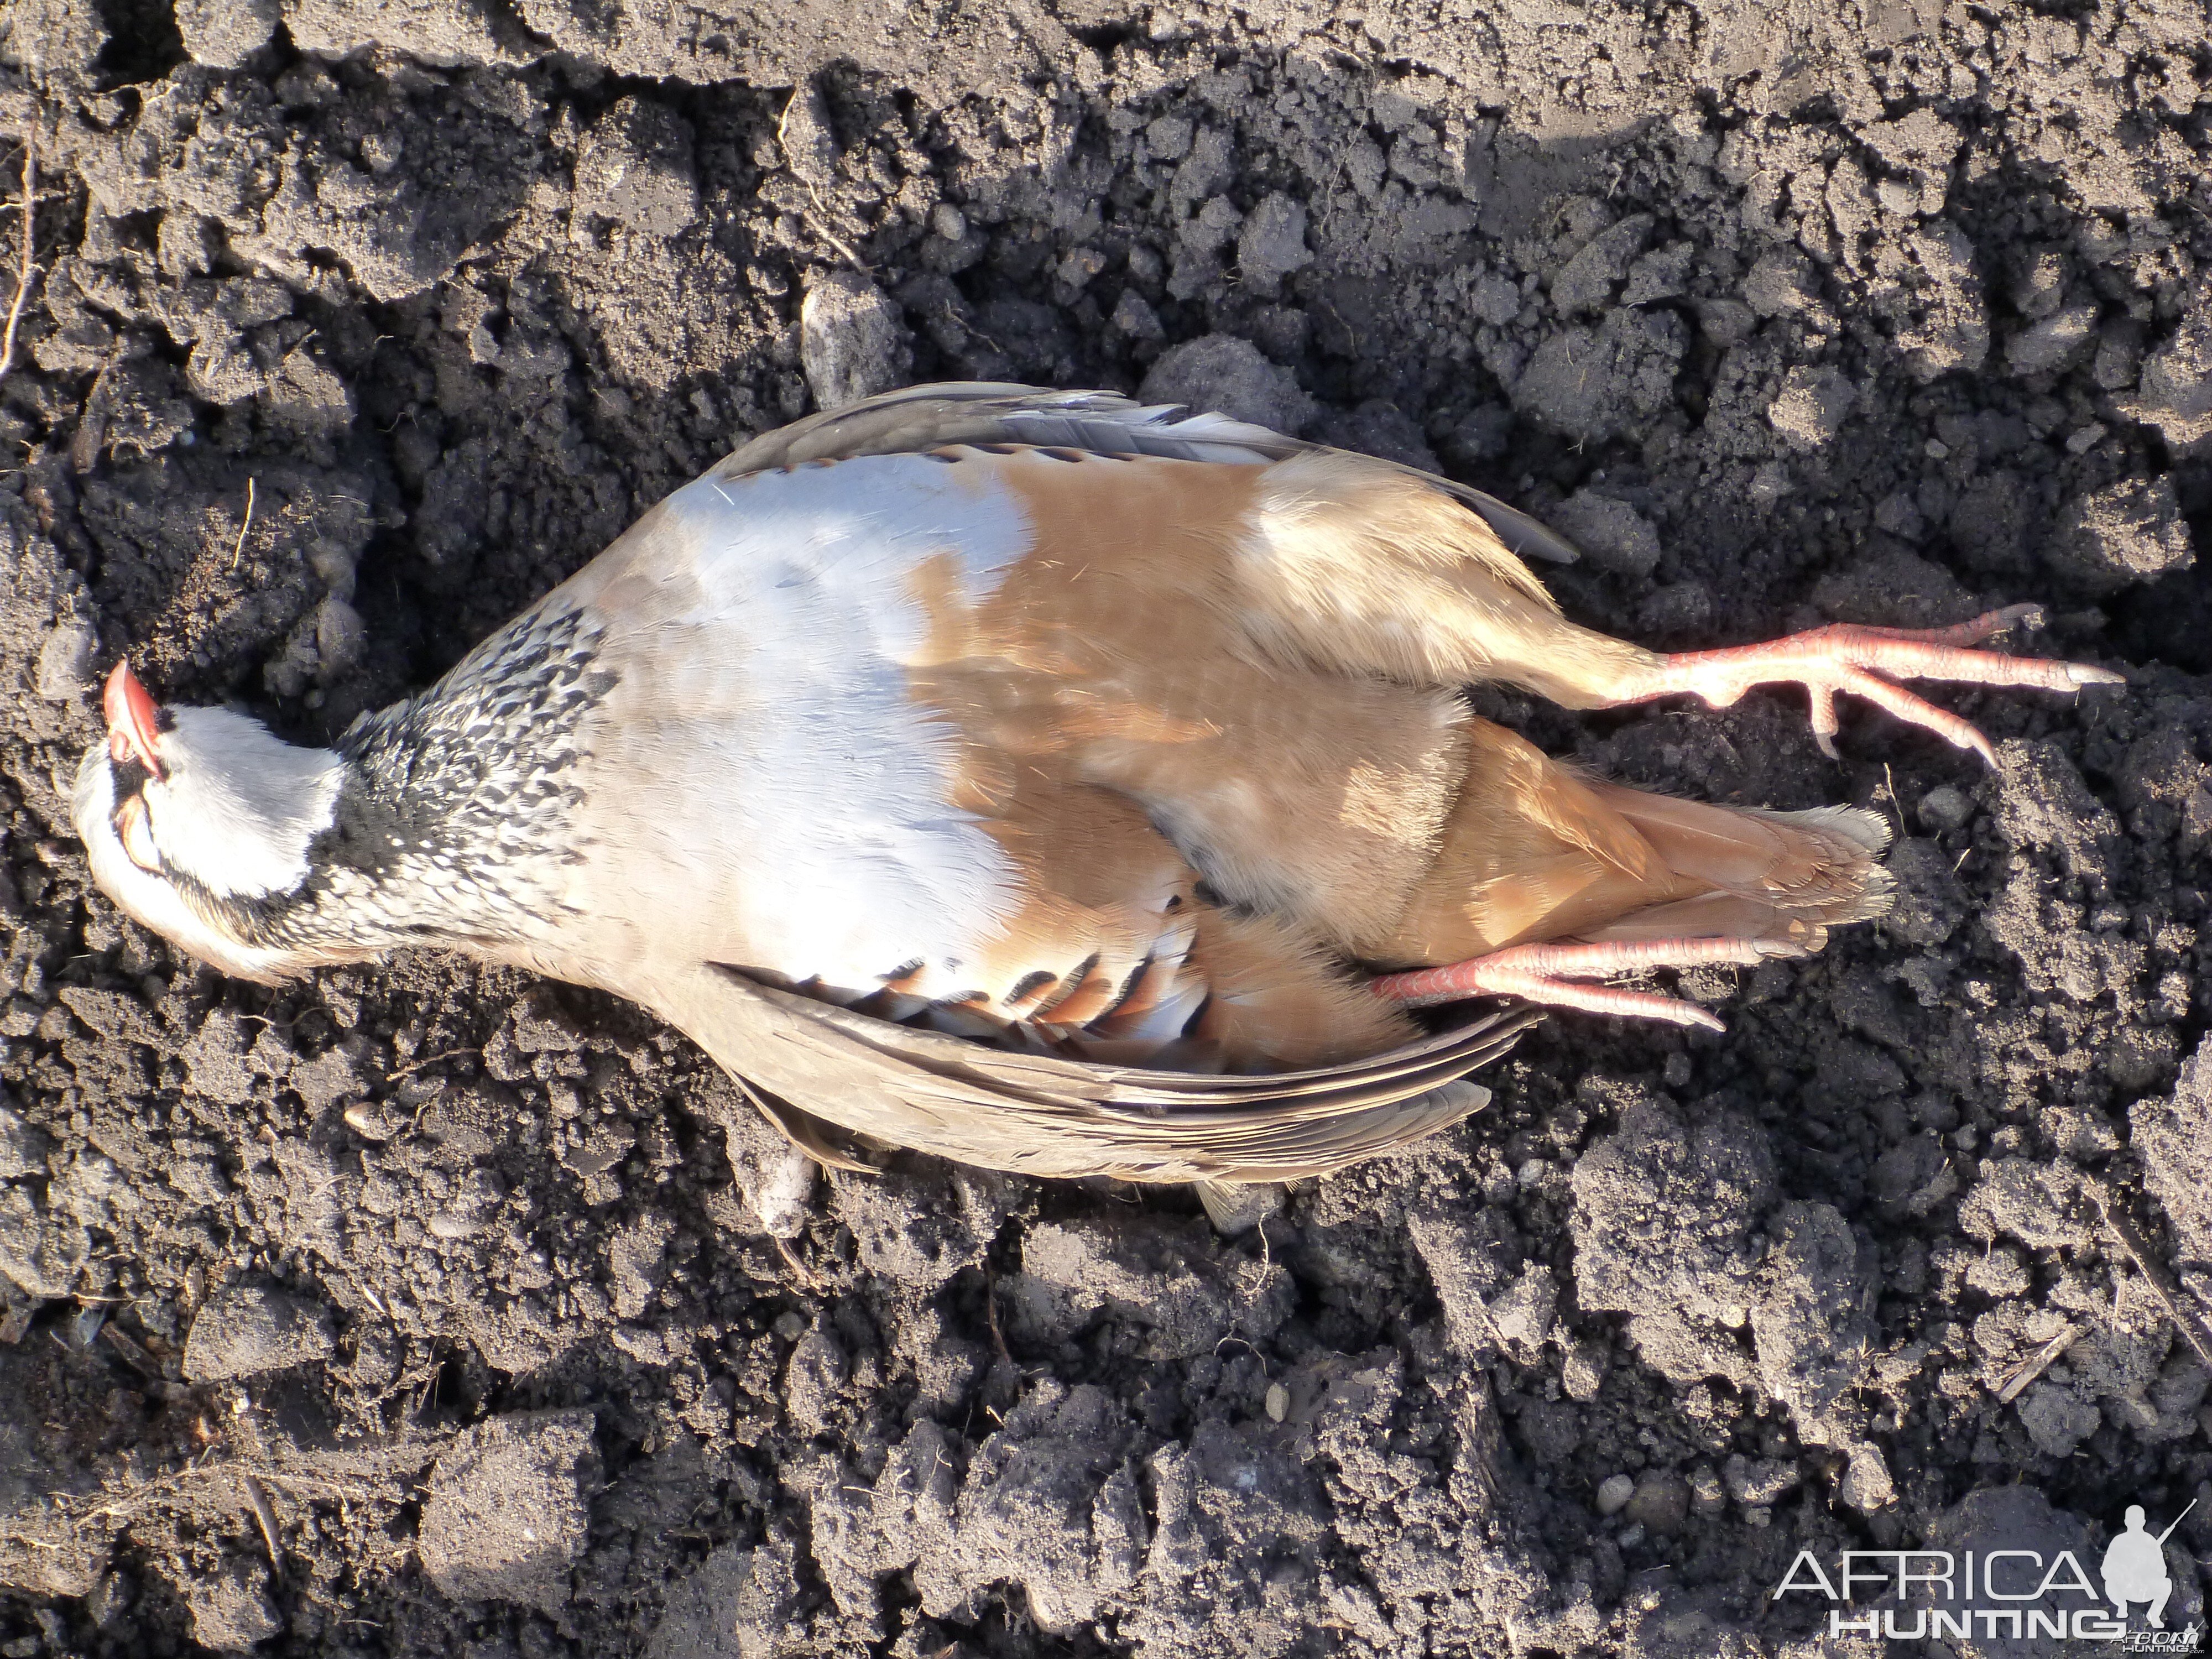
[(2036, 1364), (265, 1516), (24, 269), (238, 551), (2180, 1307)]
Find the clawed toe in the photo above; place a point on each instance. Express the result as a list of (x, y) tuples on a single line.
[(1867, 662), (1551, 975)]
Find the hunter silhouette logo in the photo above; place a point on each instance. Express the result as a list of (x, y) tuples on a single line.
[(2004, 1593), (2134, 1566)]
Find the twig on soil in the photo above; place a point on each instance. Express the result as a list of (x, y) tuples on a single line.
[(264, 1515), (133, 1355), (2036, 1364), (130, 1505), (2180, 1308), (835, 240), (791, 1260), (238, 549), (24, 269), (1896, 806), (428, 1060)]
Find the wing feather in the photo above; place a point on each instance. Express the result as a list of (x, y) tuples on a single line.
[(1040, 1115), (980, 412)]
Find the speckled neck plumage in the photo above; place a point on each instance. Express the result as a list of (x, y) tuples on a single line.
[(454, 817)]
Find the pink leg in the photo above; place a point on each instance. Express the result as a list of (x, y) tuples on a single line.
[(1865, 662), (1545, 973)]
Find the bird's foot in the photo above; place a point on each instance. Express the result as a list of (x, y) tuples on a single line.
[(1548, 974), (1867, 662)]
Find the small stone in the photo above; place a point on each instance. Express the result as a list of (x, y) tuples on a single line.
[(948, 221), (247, 1329), (1867, 1485), (1078, 267), (853, 340), (1522, 1313), (340, 636), (1613, 1493), (64, 668), (373, 1120), (1661, 1502), (1945, 808), (1279, 1402), (780, 1189)]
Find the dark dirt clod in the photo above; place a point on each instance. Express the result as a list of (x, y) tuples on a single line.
[(425, 1311)]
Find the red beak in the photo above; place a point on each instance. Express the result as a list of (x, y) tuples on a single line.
[(132, 720)]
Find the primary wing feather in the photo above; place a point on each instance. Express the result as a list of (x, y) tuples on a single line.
[(1039, 1115)]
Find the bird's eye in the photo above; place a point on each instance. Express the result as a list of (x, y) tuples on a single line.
[(134, 827)]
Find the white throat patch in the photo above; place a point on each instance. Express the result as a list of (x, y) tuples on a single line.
[(239, 806)]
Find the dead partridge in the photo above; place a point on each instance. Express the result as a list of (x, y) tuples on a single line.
[(1128, 739)]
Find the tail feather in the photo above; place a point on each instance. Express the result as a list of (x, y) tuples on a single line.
[(1816, 868)]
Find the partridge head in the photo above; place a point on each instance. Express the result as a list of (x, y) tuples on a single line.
[(196, 820), (1034, 778)]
